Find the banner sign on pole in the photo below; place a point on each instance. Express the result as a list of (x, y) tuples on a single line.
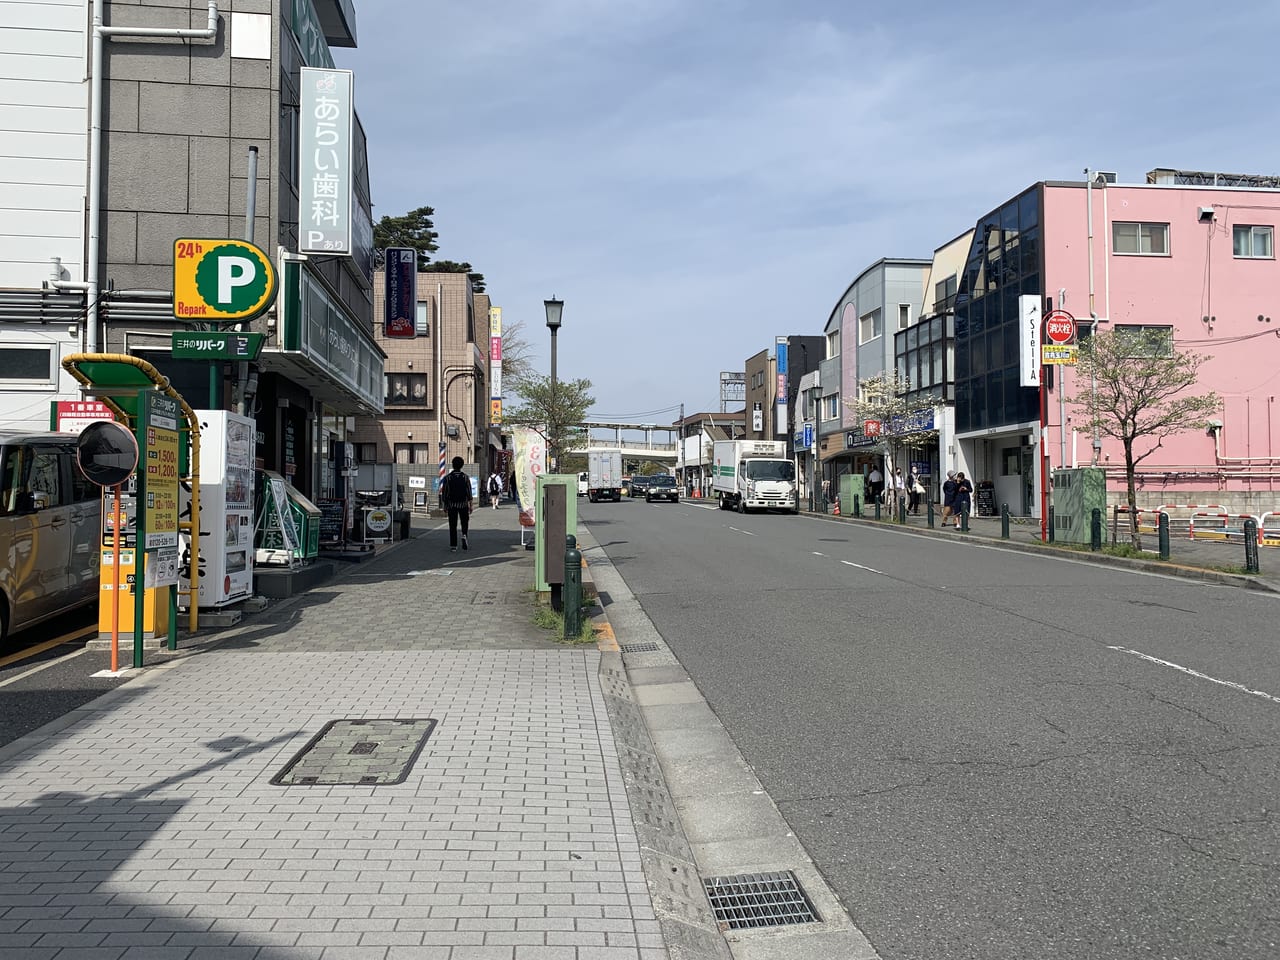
[(400, 286)]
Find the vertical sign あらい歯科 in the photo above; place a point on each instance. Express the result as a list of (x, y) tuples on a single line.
[(780, 396), (325, 177), (495, 365)]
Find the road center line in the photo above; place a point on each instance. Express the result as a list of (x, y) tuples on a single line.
[(1195, 673), (850, 563), (747, 532)]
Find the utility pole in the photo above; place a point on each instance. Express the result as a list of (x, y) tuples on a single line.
[(684, 480)]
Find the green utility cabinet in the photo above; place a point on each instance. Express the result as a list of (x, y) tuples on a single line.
[(852, 485), (1077, 493), (557, 516)]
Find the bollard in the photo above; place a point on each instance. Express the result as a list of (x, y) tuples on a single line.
[(877, 508), (902, 510), (572, 592), (1051, 523), (1004, 521), (1095, 530), (964, 519), (929, 515), (1163, 528), (1251, 546), (857, 506)]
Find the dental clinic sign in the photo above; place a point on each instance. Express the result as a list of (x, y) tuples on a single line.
[(325, 177)]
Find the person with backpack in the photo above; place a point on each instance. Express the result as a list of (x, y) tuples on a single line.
[(455, 491), (495, 489)]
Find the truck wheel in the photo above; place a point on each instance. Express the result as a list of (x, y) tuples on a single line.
[(742, 507)]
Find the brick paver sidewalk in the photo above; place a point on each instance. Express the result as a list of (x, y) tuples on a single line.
[(146, 824)]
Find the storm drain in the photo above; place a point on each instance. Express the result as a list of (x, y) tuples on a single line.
[(759, 900), (640, 648), (357, 753)]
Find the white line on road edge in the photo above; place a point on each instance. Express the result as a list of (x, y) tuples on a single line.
[(44, 666), (747, 532), (817, 554), (850, 563), (1196, 673)]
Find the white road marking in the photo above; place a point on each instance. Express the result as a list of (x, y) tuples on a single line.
[(817, 554), (850, 563), (1195, 673), (45, 666), (747, 532)]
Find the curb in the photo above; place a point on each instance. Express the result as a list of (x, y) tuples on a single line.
[(1163, 567)]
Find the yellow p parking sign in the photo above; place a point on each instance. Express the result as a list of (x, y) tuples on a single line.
[(221, 280)]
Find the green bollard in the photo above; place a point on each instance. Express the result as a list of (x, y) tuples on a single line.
[(902, 511), (857, 506), (964, 520), (929, 514), (1251, 546), (1051, 534), (1163, 533), (572, 592), (877, 508), (1004, 521), (1095, 530)]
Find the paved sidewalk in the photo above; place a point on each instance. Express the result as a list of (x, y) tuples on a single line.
[(146, 824)]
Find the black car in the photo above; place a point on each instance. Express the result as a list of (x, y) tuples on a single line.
[(639, 485), (662, 487)]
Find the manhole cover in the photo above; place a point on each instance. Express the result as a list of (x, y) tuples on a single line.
[(759, 900), (640, 648), (357, 753)]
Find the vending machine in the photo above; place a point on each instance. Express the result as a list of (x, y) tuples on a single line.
[(226, 508)]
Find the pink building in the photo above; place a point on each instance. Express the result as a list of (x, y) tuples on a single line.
[(1190, 253)]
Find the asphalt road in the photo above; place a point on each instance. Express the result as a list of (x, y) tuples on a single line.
[(989, 754)]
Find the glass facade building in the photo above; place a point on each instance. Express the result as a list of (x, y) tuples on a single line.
[(1004, 262)]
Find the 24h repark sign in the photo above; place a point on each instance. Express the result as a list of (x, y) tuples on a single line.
[(221, 280), (1059, 344)]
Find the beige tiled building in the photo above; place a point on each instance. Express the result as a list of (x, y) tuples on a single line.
[(436, 385)]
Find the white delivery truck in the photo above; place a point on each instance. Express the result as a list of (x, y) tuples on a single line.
[(754, 475), (604, 476)]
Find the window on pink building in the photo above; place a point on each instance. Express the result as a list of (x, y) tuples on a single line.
[(1141, 239), (1252, 242)]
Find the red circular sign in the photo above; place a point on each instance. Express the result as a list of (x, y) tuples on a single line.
[(1060, 327), (226, 586)]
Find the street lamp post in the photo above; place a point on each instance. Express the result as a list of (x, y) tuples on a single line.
[(554, 310)]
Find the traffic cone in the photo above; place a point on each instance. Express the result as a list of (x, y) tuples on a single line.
[(836, 512), (697, 493)]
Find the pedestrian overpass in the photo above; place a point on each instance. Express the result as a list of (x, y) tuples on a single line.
[(654, 442)]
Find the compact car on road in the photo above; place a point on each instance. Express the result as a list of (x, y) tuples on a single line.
[(662, 487)]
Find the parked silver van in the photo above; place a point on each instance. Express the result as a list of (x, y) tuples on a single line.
[(50, 529)]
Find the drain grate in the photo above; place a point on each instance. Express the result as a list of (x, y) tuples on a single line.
[(640, 648), (357, 753), (759, 900)]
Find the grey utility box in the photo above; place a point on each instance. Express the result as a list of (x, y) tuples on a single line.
[(1076, 494)]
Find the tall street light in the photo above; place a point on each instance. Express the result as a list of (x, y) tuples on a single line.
[(554, 309)]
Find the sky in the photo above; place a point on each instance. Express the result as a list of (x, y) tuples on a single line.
[(696, 177)]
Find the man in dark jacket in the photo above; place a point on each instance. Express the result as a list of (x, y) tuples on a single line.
[(455, 491)]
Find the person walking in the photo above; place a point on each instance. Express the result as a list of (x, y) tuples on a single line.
[(875, 483), (915, 489), (495, 489), (963, 498), (948, 496), (455, 491)]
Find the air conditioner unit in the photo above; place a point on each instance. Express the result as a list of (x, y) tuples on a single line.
[(1105, 176)]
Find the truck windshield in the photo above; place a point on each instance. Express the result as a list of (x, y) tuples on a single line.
[(770, 470)]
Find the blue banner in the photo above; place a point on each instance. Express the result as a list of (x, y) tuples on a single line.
[(400, 305)]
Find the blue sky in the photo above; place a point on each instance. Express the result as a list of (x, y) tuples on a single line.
[(695, 177)]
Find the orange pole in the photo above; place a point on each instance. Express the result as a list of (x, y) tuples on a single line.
[(115, 586)]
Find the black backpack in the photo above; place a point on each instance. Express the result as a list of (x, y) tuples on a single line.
[(457, 488)]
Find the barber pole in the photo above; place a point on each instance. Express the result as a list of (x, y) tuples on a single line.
[(443, 471)]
